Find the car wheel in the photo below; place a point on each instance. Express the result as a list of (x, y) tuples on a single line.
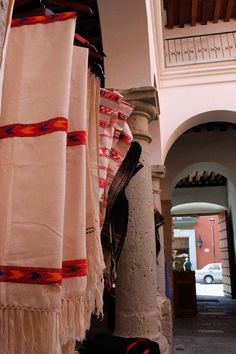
[(208, 279)]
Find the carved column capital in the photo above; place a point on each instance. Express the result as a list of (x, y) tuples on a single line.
[(158, 173), (146, 109)]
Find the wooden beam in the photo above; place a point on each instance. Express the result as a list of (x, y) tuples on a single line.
[(170, 13), (217, 10), (229, 9), (194, 13), (181, 13), (204, 177), (204, 12)]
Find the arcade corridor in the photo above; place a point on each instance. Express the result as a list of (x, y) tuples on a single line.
[(212, 331)]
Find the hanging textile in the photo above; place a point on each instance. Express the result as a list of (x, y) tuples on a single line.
[(95, 284), (159, 221), (74, 280), (35, 109), (116, 220), (119, 345), (6, 7), (115, 139)]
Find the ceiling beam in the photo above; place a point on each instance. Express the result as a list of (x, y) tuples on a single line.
[(194, 13), (181, 13), (217, 10), (229, 9), (170, 14), (204, 12)]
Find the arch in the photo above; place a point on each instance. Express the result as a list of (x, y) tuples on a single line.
[(205, 117), (197, 209), (205, 165)]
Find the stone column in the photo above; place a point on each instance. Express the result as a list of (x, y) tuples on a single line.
[(158, 173), (137, 312), (168, 233)]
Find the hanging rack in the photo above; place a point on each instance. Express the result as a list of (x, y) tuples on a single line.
[(67, 4)]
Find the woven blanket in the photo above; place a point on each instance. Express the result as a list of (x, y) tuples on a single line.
[(6, 8), (96, 266), (46, 293), (74, 282), (116, 221), (114, 141)]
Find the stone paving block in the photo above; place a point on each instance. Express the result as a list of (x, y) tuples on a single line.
[(212, 331)]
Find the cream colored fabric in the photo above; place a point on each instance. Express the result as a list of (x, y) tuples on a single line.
[(74, 244), (95, 285), (6, 8), (32, 178)]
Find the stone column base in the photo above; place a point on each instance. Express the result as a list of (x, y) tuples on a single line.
[(140, 324), (164, 305), (164, 345)]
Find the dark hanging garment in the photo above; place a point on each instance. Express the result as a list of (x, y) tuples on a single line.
[(105, 344), (116, 220), (159, 221)]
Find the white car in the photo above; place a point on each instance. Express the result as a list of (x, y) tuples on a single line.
[(211, 273)]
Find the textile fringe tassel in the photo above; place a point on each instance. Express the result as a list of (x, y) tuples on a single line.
[(29, 331), (95, 280), (72, 321), (69, 348)]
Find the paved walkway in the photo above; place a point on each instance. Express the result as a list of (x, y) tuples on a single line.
[(212, 331)]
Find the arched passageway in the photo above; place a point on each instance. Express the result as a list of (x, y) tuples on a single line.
[(206, 147)]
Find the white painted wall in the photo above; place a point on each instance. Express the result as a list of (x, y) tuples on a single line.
[(192, 244), (184, 107), (212, 151), (155, 146), (216, 195), (127, 39)]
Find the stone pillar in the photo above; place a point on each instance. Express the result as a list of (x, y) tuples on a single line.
[(137, 312), (158, 173), (168, 234)]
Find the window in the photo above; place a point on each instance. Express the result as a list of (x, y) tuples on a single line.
[(214, 267)]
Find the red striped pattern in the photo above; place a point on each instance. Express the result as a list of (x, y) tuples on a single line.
[(34, 129), (110, 153), (134, 344), (125, 138), (30, 275), (46, 276), (22, 21), (106, 110), (76, 138), (76, 268), (113, 96)]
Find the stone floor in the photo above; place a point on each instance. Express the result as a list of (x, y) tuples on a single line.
[(212, 331)]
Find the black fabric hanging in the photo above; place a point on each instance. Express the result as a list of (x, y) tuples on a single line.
[(116, 219), (159, 221), (105, 344)]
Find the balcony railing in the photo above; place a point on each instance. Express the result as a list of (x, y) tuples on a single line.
[(200, 49)]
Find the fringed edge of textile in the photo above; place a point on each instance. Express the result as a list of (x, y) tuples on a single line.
[(23, 330), (69, 347), (72, 321), (95, 278)]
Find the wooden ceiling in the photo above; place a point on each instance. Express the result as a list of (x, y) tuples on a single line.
[(182, 12), (221, 127), (202, 179)]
